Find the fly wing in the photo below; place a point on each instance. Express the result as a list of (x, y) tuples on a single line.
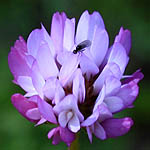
[(83, 45)]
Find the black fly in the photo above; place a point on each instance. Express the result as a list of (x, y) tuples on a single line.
[(81, 47)]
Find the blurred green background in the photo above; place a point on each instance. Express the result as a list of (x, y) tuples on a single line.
[(20, 17)]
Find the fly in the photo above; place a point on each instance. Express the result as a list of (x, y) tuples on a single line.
[(81, 46)]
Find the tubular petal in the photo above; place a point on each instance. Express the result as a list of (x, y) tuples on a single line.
[(112, 85), (111, 69), (99, 131), (68, 103), (69, 29), (66, 135), (100, 98), (36, 38), (37, 79), (33, 42), (99, 45), (114, 103), (22, 105), (128, 93), (136, 77), (91, 119), (118, 55), (88, 67), (89, 132), (57, 30), (41, 121), (62, 119), (88, 23), (46, 62), (46, 111), (53, 89), (26, 83), (17, 64), (104, 112), (33, 114), (68, 68), (74, 124), (79, 86), (117, 127), (124, 37), (83, 23)]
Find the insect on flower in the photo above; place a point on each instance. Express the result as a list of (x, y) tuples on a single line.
[(81, 47)]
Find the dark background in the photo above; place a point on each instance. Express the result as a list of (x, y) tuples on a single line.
[(20, 17)]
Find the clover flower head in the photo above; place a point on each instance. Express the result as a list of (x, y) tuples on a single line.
[(75, 79)]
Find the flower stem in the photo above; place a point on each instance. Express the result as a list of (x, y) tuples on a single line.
[(75, 144)]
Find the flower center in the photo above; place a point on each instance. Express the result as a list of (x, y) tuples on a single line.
[(85, 108)]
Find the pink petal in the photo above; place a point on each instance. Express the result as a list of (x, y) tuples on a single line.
[(114, 103), (96, 20), (46, 62), (68, 68), (69, 30), (51, 133), (115, 69), (117, 127), (118, 55), (110, 69), (59, 93), (26, 83), (66, 135), (46, 111), (124, 37), (48, 40), (20, 45), (89, 132), (56, 139), (41, 121), (112, 85), (99, 45), (55, 133), (57, 30), (74, 124), (83, 27), (50, 88), (33, 114), (104, 112), (87, 24), (33, 98), (68, 103), (100, 98), (99, 131), (17, 64), (91, 119), (136, 77), (79, 86), (63, 56), (37, 79), (36, 38), (29, 59), (29, 94), (53, 89), (128, 93), (62, 119), (22, 105), (88, 67), (61, 134)]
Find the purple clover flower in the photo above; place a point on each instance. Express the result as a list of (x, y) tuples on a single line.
[(74, 91)]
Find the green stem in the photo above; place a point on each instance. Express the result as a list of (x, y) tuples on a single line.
[(75, 144)]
